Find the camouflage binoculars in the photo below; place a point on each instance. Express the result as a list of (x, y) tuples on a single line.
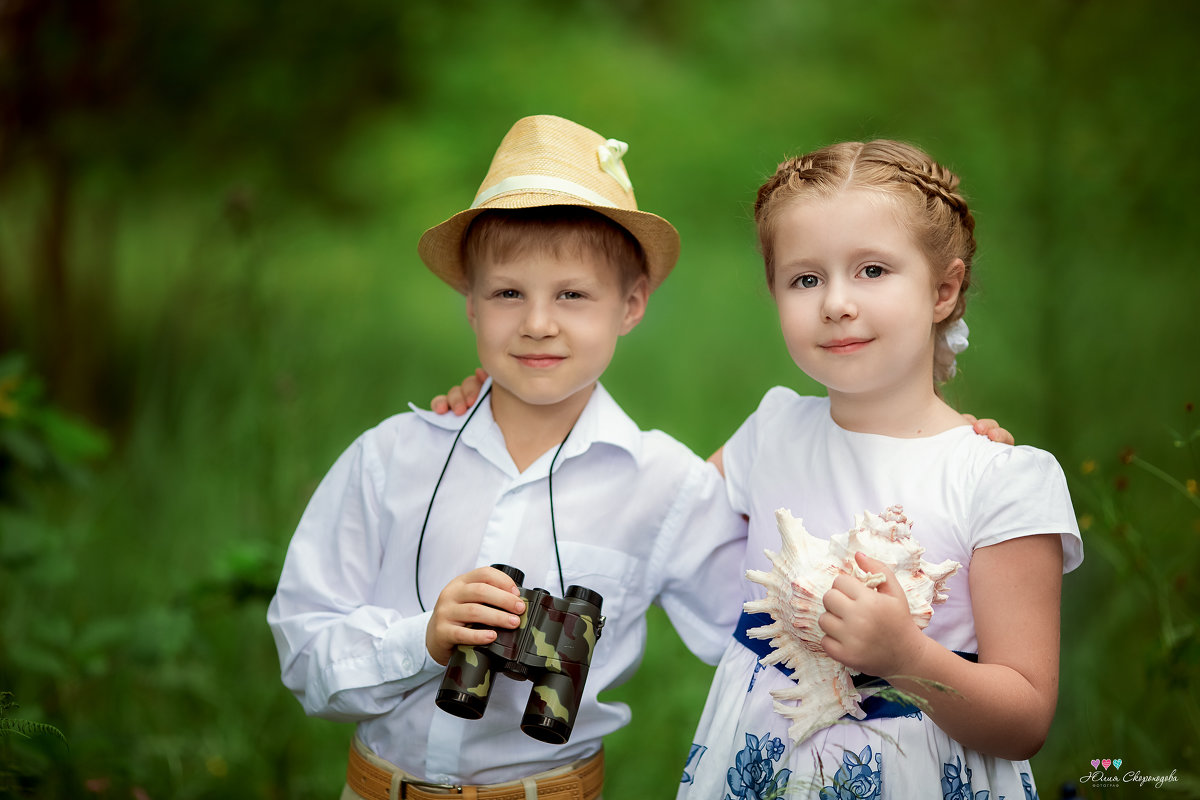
[(552, 647)]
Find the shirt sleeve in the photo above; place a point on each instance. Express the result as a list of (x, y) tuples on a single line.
[(1023, 492), (700, 554), (344, 658)]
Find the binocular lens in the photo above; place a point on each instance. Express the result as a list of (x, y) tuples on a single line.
[(553, 704), (546, 729), (465, 686), (461, 704)]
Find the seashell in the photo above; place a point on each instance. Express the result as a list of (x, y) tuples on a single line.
[(803, 571)]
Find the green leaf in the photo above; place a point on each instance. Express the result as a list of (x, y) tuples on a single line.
[(29, 728)]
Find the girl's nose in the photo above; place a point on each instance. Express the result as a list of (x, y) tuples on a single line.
[(838, 302)]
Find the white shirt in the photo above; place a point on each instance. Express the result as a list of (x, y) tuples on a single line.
[(639, 519), (961, 491)]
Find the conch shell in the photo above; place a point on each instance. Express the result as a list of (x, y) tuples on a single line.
[(803, 572)]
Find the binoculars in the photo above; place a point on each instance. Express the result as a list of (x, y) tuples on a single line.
[(552, 647)]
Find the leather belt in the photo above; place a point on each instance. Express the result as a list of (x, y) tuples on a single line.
[(375, 783)]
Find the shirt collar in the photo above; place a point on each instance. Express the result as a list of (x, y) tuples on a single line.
[(601, 422)]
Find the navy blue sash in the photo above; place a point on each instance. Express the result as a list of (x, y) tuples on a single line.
[(875, 706)]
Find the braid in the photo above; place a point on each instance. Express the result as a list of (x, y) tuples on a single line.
[(818, 173), (789, 174), (938, 183)]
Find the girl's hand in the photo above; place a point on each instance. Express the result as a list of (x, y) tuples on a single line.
[(871, 630), (461, 397), (483, 596)]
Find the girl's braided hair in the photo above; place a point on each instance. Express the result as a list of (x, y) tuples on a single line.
[(927, 193)]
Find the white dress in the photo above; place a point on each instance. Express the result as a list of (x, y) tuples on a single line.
[(961, 491)]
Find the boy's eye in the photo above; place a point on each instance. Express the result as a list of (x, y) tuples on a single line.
[(569, 295), (508, 294), (806, 282), (873, 271)]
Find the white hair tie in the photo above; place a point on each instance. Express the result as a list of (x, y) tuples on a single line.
[(955, 337)]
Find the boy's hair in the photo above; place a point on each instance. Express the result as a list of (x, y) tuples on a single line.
[(559, 230), (925, 192)]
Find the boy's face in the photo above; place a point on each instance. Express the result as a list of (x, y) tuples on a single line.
[(546, 325)]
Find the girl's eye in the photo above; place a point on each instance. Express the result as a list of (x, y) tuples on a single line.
[(873, 271), (508, 294), (570, 295), (806, 282)]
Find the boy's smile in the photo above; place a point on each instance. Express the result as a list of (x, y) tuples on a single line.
[(546, 326)]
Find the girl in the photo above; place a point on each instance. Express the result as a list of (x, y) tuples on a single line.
[(868, 251)]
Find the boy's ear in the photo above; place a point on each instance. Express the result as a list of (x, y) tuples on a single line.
[(635, 304), (470, 311), (948, 289)]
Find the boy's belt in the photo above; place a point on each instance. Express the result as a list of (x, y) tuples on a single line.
[(375, 783)]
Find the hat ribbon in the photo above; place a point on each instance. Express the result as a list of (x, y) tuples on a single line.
[(526, 183)]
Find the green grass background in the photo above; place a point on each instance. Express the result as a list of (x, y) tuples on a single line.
[(249, 349)]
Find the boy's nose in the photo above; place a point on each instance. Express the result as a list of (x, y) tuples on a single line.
[(539, 321)]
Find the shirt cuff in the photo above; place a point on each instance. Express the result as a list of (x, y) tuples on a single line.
[(402, 652)]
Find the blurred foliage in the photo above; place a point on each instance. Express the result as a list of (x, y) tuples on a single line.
[(41, 449), (38, 443), (208, 220), (1142, 524), (11, 778), (106, 100)]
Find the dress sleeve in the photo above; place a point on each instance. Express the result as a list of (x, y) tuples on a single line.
[(344, 658), (739, 453), (1023, 492), (700, 555)]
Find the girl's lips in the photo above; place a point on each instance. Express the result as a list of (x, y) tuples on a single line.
[(843, 346)]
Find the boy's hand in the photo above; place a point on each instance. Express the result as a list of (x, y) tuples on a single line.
[(460, 398), (483, 596), (989, 428)]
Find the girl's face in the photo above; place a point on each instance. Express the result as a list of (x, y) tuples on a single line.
[(857, 298)]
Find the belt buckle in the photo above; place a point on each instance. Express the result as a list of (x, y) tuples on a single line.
[(446, 787)]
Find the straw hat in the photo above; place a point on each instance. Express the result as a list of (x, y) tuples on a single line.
[(548, 161)]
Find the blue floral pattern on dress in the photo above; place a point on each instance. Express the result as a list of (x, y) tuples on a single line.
[(858, 778), (754, 676), (1027, 785), (956, 783), (694, 755), (753, 777)]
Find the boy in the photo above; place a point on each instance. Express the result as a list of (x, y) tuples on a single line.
[(556, 264)]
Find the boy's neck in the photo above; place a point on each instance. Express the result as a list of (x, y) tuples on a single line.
[(532, 430), (902, 415)]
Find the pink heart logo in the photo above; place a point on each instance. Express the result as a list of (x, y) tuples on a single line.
[(1117, 763), (1095, 763), (1106, 763)]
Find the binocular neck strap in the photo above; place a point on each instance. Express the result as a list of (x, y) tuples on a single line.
[(436, 486)]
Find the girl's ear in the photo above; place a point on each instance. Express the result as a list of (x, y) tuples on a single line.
[(948, 289), (635, 304)]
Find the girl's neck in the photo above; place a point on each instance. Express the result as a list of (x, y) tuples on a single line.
[(900, 414), (532, 430)]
